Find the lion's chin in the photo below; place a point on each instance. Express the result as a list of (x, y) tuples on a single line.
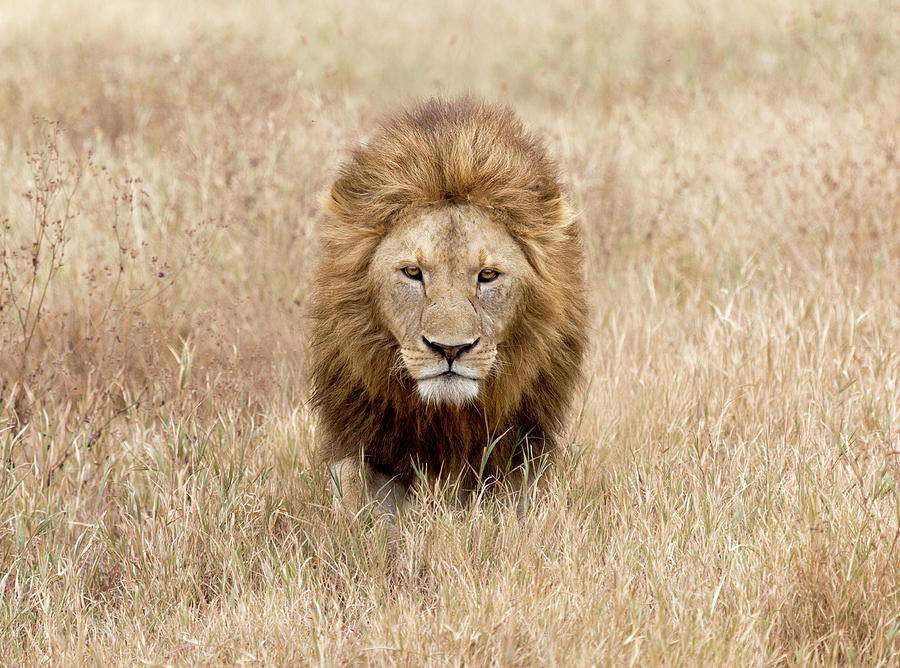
[(448, 388)]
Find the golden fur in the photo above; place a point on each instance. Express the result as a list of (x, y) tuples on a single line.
[(445, 154)]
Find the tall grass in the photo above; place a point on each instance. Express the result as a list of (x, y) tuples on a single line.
[(729, 492)]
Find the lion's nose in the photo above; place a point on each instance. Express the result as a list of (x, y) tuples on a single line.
[(451, 352)]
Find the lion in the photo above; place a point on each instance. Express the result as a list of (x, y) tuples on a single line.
[(449, 311)]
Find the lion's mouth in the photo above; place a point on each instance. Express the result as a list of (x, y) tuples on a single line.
[(448, 387), (449, 375)]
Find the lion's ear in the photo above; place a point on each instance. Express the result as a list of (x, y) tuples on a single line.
[(545, 189), (332, 205)]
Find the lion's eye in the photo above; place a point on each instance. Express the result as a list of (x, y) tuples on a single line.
[(487, 275), (413, 272)]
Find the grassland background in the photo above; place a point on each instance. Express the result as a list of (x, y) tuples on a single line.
[(730, 491)]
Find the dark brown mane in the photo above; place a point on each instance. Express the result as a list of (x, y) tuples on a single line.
[(440, 152)]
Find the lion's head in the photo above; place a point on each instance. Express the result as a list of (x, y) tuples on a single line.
[(449, 296), (449, 283)]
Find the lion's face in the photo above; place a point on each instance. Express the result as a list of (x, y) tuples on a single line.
[(448, 284)]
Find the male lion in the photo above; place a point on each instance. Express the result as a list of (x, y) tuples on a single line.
[(449, 312)]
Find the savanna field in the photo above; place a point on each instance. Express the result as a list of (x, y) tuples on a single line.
[(729, 490)]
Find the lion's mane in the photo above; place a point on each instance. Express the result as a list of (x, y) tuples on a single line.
[(445, 151)]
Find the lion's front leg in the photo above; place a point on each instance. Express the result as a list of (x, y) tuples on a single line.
[(355, 484)]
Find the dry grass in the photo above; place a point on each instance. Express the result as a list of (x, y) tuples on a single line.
[(730, 494)]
